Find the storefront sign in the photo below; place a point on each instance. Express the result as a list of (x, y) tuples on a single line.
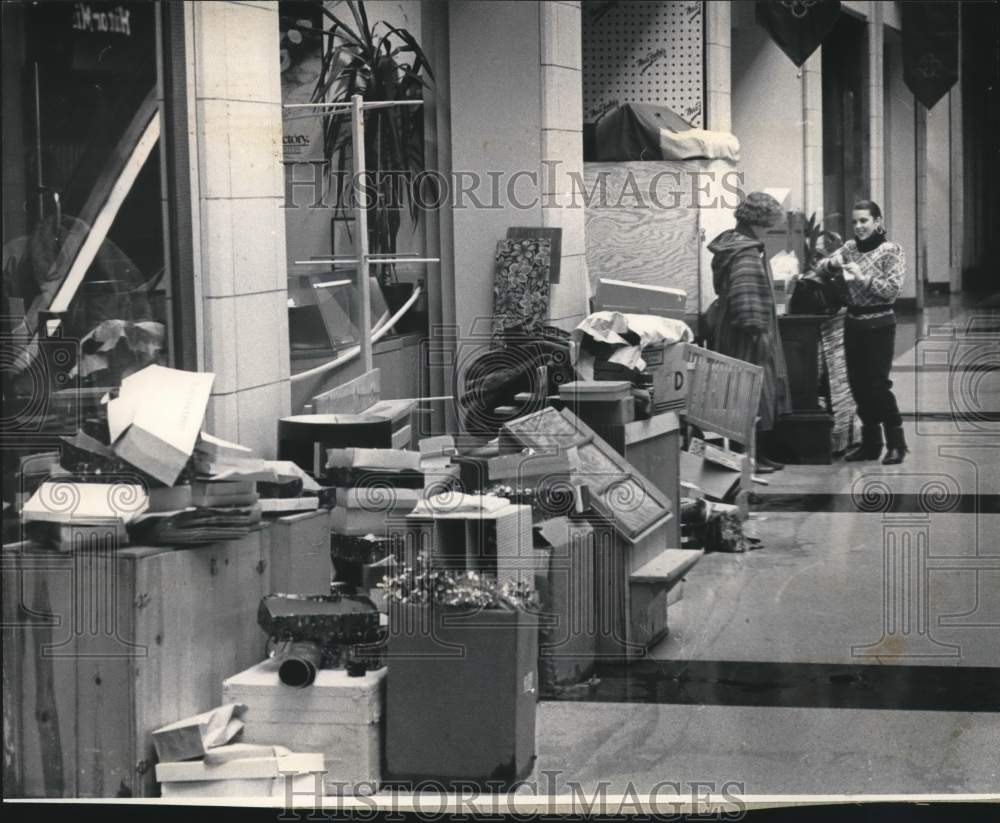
[(116, 20)]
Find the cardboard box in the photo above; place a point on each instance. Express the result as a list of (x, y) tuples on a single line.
[(300, 553), (156, 419), (667, 365), (337, 715), (460, 704), (265, 776)]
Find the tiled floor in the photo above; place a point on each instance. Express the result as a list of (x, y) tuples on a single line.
[(773, 673)]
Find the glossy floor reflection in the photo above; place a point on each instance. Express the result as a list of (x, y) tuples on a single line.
[(832, 660)]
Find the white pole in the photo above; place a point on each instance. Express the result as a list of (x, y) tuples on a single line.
[(361, 226)]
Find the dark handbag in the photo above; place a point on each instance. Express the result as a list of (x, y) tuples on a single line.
[(815, 293)]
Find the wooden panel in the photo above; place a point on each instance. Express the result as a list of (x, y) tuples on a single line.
[(630, 236), (39, 689), (723, 394), (621, 494), (134, 639), (653, 447)]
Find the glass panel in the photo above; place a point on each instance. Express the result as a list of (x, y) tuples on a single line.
[(324, 298), (83, 183)]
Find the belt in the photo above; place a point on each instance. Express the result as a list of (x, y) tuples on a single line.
[(879, 310)]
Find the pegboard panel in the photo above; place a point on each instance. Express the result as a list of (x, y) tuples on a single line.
[(640, 52)]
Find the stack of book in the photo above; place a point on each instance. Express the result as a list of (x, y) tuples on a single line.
[(374, 488), (71, 515)]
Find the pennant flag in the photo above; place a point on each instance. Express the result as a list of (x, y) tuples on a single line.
[(798, 26), (930, 48)]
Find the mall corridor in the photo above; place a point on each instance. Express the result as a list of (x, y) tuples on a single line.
[(858, 649)]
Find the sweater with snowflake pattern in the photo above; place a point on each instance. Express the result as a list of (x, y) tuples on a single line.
[(870, 300)]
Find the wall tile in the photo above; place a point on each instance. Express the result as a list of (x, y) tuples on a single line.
[(211, 62), (564, 148), (261, 321), (213, 147), (562, 98), (718, 24), (571, 220), (813, 129), (255, 149), (258, 237), (255, 77), (217, 247), (258, 411), (222, 417), (562, 36), (221, 342)]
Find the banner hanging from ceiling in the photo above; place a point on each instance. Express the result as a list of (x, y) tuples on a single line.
[(930, 48), (798, 26)]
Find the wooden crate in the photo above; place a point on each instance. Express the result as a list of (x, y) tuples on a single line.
[(337, 715), (101, 648), (653, 447)]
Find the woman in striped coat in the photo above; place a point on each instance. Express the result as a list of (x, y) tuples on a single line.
[(747, 324)]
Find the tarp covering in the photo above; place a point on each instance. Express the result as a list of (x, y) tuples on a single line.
[(640, 131)]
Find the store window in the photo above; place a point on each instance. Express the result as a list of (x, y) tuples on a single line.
[(86, 280), (324, 290)]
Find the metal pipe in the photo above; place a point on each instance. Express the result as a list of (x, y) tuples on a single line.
[(361, 222), (38, 146)]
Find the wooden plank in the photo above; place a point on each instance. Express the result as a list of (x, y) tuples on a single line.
[(198, 618), (13, 676), (104, 602), (39, 584), (352, 397), (668, 567), (104, 201)]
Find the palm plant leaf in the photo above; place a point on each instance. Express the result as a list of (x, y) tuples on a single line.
[(373, 61)]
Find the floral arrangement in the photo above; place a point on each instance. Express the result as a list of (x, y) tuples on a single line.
[(424, 585)]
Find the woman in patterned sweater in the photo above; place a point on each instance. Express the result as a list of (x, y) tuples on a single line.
[(872, 268)]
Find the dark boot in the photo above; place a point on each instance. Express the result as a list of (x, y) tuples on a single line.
[(896, 442), (870, 446)]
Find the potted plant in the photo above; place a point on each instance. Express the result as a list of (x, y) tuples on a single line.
[(459, 641), (381, 63)]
